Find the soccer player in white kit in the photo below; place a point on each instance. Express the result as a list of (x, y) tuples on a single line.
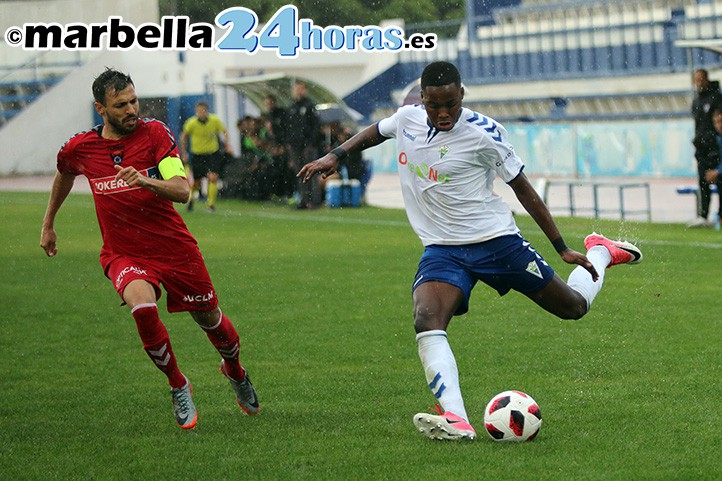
[(448, 157)]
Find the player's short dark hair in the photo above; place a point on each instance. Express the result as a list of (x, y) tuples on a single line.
[(437, 74), (111, 79), (202, 103)]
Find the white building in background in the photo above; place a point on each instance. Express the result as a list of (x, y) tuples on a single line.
[(30, 141)]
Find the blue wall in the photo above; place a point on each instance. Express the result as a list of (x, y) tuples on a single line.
[(629, 149)]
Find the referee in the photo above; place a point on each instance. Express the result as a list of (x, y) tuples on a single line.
[(203, 130)]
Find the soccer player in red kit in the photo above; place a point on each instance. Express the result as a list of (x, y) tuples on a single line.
[(135, 174)]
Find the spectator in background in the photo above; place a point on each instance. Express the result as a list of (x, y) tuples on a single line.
[(277, 117), (713, 174), (706, 101), (255, 159), (303, 137), (276, 134), (354, 163), (351, 167), (329, 140), (203, 130)]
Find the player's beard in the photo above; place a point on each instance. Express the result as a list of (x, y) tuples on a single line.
[(120, 126)]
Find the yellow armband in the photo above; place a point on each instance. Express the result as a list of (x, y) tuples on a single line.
[(171, 167)]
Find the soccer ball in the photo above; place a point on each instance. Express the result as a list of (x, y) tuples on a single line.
[(512, 416)]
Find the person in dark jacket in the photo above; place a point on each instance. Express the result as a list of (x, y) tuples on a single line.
[(276, 127), (714, 175), (278, 118), (303, 135), (706, 101)]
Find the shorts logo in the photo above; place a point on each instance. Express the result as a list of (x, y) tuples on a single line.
[(133, 269), (199, 297), (533, 269)]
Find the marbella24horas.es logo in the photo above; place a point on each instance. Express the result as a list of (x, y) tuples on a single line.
[(284, 33)]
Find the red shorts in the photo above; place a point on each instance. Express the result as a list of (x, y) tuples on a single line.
[(188, 285)]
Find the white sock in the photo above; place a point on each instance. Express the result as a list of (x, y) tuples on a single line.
[(441, 371), (581, 280)]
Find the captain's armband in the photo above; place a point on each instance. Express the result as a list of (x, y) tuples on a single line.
[(171, 167)]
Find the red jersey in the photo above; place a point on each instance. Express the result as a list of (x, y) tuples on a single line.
[(134, 221)]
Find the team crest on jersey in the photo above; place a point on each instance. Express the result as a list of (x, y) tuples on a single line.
[(443, 151), (117, 152), (533, 268)]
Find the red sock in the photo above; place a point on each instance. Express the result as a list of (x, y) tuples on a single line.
[(157, 343), (225, 339)]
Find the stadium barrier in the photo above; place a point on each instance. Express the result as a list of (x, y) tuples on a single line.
[(694, 189), (575, 187)]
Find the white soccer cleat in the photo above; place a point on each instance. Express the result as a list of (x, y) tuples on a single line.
[(698, 222)]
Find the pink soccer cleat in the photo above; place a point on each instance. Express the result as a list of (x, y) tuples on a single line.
[(446, 426), (622, 252)]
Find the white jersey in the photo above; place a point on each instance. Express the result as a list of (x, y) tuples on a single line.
[(447, 177)]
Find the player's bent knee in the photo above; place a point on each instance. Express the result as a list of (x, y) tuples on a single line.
[(574, 310), (431, 320), (206, 319), (562, 301), (425, 321), (577, 314), (422, 322)]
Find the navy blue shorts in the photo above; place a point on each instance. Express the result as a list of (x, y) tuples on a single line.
[(504, 263)]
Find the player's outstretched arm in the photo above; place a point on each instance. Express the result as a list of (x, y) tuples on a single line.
[(328, 164), (175, 188), (537, 209), (62, 185)]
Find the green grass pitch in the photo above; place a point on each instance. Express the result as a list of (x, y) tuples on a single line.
[(322, 303)]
